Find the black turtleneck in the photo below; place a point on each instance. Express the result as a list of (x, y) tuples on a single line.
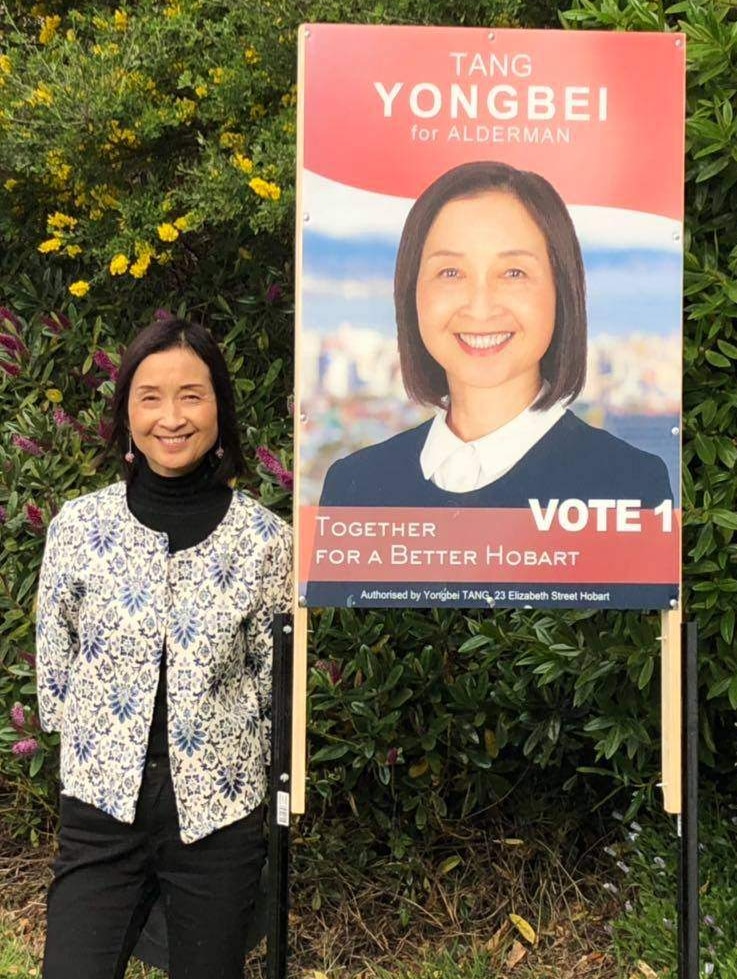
[(187, 508)]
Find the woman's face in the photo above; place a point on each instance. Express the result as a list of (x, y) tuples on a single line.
[(172, 410), (485, 293)]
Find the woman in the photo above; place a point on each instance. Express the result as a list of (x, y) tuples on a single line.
[(154, 662), (489, 293)]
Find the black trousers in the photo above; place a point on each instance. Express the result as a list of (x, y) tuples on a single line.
[(108, 875)]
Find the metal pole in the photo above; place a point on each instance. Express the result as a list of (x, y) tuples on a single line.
[(279, 800), (688, 889)]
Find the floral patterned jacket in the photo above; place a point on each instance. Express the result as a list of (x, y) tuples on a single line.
[(110, 594)]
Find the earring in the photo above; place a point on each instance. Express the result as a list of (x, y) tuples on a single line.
[(129, 456), (220, 451)]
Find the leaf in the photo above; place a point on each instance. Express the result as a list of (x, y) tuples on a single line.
[(516, 954), (450, 863), (331, 752), (726, 626), (419, 769), (647, 970), (496, 939), (524, 928), (724, 518)]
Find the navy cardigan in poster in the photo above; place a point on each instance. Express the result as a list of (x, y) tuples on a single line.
[(572, 461)]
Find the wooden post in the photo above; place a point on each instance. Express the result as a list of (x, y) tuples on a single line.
[(299, 669), (671, 701)]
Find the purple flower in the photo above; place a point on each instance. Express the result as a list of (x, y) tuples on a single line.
[(61, 418), (25, 748), (269, 461), (104, 430), (12, 369), (163, 314), (103, 361), (391, 756), (10, 317), (35, 516), (56, 322), (28, 657), (274, 293), (3, 514), (12, 344), (18, 716), (28, 445)]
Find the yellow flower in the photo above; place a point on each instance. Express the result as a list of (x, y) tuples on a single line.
[(185, 109), (49, 27), (217, 75), (121, 20), (119, 265), (183, 223), (232, 141), (73, 250), (58, 221), (167, 232), (173, 10), (54, 395), (242, 163), (10, 184), (201, 91), (42, 95), (71, 35), (5, 65), (50, 245), (257, 112), (246, 254), (251, 56), (79, 288), (263, 188), (140, 266), (59, 169)]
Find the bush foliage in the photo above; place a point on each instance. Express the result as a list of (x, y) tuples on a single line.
[(146, 163)]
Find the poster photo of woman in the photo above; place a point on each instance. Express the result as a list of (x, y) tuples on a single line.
[(494, 351)]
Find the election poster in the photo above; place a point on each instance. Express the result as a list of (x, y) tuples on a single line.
[(489, 272)]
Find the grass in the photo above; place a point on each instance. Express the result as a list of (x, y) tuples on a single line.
[(600, 909), (644, 871)]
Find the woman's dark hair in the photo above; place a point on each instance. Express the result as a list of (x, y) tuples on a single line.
[(564, 363), (165, 335)]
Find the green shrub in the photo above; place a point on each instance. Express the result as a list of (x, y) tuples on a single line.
[(416, 717)]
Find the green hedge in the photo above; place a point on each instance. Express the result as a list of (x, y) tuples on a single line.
[(415, 717)]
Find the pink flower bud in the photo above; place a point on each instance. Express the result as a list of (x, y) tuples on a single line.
[(18, 716), (269, 461), (34, 516), (28, 445), (9, 315), (13, 370), (391, 756), (13, 345), (103, 361), (274, 293), (56, 322), (25, 748)]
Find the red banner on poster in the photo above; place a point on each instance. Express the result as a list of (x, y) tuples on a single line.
[(599, 98)]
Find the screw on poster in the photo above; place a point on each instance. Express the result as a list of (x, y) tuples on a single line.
[(489, 317)]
